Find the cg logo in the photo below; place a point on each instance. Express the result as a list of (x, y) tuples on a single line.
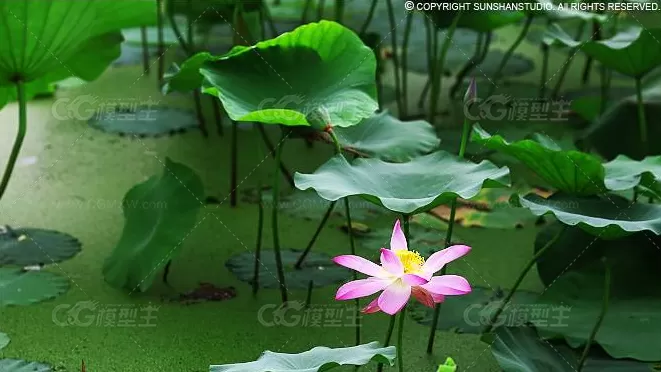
[(81, 314), (285, 109), (279, 314), (80, 108), (477, 315), (491, 108)]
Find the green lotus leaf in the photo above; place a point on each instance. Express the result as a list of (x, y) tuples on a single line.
[(42, 36), (386, 137), (633, 52), (316, 359), (317, 65), (570, 171), (606, 216), (19, 288), (4, 340), (634, 306), (412, 187), (28, 246), (623, 173), (16, 365), (159, 214)]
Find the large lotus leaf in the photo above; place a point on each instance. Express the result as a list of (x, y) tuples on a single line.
[(42, 36), (477, 20), (623, 173), (412, 187), (634, 306), (633, 52), (471, 313), (159, 213), (575, 249), (521, 350), (622, 118), (19, 288), (28, 246), (571, 171), (386, 137), (316, 359), (4, 340), (16, 365), (282, 80), (606, 216)]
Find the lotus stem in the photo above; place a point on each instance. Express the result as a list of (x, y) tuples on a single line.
[(265, 14), (160, 47), (519, 280), (189, 27), (642, 120), (437, 81), (20, 136), (567, 64), (339, 11), (274, 218), (321, 4), (166, 272), (391, 327), (218, 116), (395, 56), (145, 50), (352, 244), (234, 166), (596, 35), (258, 244), (480, 54), (306, 9), (271, 148), (602, 314), (201, 123), (321, 226), (510, 52), (368, 20), (400, 338), (405, 47), (431, 49), (448, 237), (175, 28)]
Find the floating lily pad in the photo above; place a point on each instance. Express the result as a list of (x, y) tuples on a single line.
[(607, 216), (571, 171), (19, 288), (385, 137), (634, 313), (145, 121), (631, 52), (412, 187), (159, 214), (317, 268), (471, 313), (4, 340), (29, 246), (308, 205), (317, 359), (15, 365)]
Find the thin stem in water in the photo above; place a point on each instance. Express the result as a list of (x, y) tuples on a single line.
[(437, 81), (405, 47), (145, 50), (339, 11), (517, 283), (321, 226), (234, 154), (352, 244), (510, 52), (642, 120), (395, 55), (400, 338), (20, 136), (258, 245), (602, 314), (274, 219), (159, 40), (368, 20), (391, 327), (480, 54)]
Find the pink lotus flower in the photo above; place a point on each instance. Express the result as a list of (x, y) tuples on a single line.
[(403, 273)]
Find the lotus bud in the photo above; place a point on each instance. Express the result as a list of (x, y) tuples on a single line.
[(319, 119), (471, 92)]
